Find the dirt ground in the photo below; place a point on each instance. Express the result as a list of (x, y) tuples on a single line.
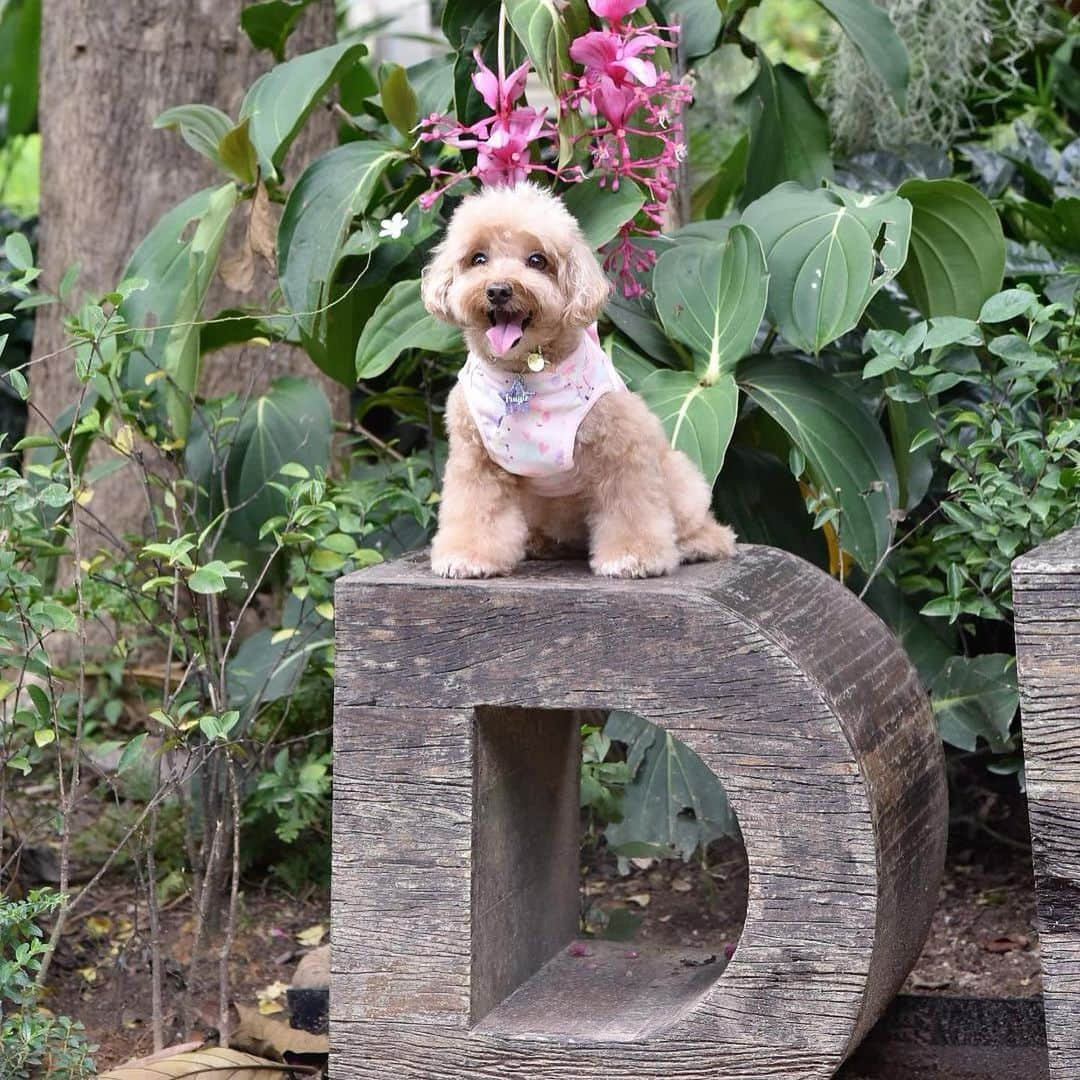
[(982, 943)]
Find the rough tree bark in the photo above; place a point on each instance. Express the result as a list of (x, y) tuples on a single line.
[(107, 71)]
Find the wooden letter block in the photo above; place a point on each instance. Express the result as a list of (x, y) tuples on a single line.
[(456, 822), (1046, 595)]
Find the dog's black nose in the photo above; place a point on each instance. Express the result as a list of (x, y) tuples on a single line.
[(499, 292)]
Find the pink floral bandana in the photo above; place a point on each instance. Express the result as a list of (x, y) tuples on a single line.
[(529, 422)]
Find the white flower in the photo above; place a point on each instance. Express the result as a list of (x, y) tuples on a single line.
[(392, 228)]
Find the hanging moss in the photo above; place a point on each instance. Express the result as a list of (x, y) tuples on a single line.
[(958, 49)]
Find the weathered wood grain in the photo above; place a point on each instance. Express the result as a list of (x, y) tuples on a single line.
[(1046, 595), (453, 723)]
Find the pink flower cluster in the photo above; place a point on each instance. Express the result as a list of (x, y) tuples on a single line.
[(638, 134), (636, 131), (502, 141)]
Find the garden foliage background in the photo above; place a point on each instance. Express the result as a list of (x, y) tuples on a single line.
[(859, 318)]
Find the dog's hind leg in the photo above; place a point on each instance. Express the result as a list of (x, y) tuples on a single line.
[(699, 536)]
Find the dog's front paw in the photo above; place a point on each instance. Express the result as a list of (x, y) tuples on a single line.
[(634, 564), (464, 564)]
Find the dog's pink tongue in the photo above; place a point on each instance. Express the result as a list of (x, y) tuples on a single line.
[(505, 334)]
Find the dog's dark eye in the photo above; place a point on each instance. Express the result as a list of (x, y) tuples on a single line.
[(536, 261), (478, 259)]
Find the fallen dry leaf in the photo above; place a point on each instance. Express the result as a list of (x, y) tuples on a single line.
[(312, 936), (263, 1035), (642, 899), (262, 231), (681, 885), (217, 1063), (1005, 944), (98, 925)]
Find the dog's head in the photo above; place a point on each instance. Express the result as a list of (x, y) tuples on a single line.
[(515, 273)]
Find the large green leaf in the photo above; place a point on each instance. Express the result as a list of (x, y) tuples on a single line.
[(976, 697), (320, 208), (280, 101), (789, 135), (202, 127), (181, 354), (269, 23), (846, 453), (267, 666), (291, 422), (178, 265), (546, 28), (601, 211), (928, 643), (20, 41), (712, 298), (399, 323), (635, 317), (957, 256), (675, 800), (699, 22), (633, 366), (871, 31), (828, 251), (698, 419)]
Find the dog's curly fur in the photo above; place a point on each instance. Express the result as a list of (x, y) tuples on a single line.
[(641, 508)]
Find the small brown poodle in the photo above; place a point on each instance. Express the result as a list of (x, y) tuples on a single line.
[(549, 452)]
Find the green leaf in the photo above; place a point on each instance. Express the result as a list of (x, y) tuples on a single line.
[(871, 31), (600, 211), (928, 645), (698, 419), (20, 46), (290, 422), (712, 298), (632, 365), (675, 800), (846, 453), (546, 28), (789, 135), (1003, 306), (280, 101), (957, 256), (202, 127), (399, 323), (180, 356), (131, 752), (179, 264), (268, 24), (399, 100), (43, 737), (237, 153), (321, 206), (976, 697), (700, 23), (828, 252), (17, 251), (211, 577)]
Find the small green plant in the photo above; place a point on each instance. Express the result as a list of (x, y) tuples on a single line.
[(1000, 393), (33, 1043)]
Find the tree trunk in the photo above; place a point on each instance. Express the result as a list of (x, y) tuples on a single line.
[(107, 70)]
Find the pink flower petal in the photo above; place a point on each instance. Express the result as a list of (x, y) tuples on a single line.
[(642, 70), (594, 50), (614, 9)]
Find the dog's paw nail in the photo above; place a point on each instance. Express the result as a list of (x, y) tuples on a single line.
[(462, 566), (632, 566)]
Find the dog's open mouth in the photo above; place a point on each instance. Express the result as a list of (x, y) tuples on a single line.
[(507, 329)]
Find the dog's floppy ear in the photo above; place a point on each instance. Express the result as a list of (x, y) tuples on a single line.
[(435, 282), (584, 285)]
